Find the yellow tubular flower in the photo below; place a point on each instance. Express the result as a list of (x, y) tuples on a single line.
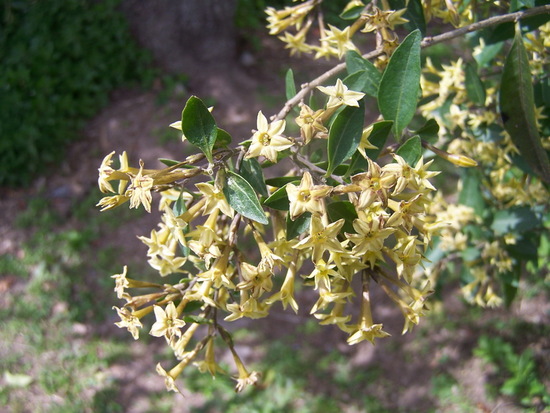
[(140, 190), (168, 324)]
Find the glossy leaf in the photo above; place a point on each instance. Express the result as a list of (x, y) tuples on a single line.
[(352, 13), (429, 132), (223, 139), (363, 75), (474, 86), (517, 107), (251, 170), (290, 85), (298, 226), (411, 150), (400, 83), (242, 198), (278, 200), (345, 135), (281, 181), (363, 81), (198, 126), (345, 210)]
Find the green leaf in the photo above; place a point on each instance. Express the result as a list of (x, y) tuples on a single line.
[(471, 191), (363, 75), (378, 137), (345, 210), (242, 198), (428, 132), (352, 13), (223, 139), (518, 219), (298, 226), (198, 126), (354, 62), (474, 86), (363, 81), (345, 135), (278, 200), (517, 107), (169, 162), (411, 151), (290, 85), (281, 181), (400, 83), (179, 206), (251, 170)]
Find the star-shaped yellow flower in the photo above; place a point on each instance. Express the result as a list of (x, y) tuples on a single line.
[(268, 139), (306, 197), (339, 94)]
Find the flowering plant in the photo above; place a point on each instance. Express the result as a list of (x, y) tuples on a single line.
[(358, 207)]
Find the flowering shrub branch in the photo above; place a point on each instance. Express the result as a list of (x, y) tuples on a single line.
[(357, 201)]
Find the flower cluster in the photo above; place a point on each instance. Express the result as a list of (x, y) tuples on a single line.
[(232, 244)]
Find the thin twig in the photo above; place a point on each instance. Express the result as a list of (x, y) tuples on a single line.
[(426, 42)]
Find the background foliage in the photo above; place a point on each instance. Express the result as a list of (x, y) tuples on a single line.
[(60, 60)]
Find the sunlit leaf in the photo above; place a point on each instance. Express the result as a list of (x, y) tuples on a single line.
[(400, 83), (198, 126), (242, 198), (345, 135), (517, 107), (518, 219)]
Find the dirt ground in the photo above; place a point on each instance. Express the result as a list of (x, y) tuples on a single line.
[(135, 122)]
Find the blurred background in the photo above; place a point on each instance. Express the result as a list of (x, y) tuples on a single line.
[(80, 78)]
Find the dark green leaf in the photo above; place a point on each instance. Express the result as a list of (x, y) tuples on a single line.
[(429, 132), (345, 210), (400, 83), (474, 86), (298, 226), (510, 284), (363, 81), (518, 219), (192, 306), (179, 206), (198, 126), (252, 172), (517, 107), (290, 85), (281, 181), (516, 5), (242, 198), (354, 62), (278, 200), (223, 139), (345, 135), (471, 191), (378, 137), (411, 151)]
